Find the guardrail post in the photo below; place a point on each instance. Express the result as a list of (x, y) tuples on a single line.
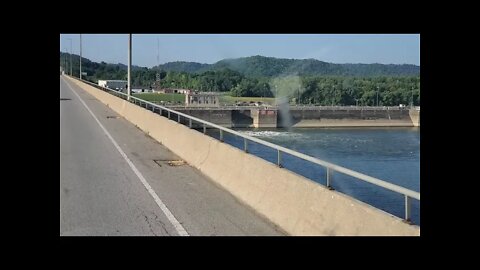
[(160, 111), (329, 178), (178, 118), (190, 123), (279, 159), (168, 114), (408, 208), (221, 135), (245, 145), (204, 129)]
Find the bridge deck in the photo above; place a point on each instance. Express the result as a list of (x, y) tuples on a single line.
[(101, 195)]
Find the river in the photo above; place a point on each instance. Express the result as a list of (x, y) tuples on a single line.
[(390, 154)]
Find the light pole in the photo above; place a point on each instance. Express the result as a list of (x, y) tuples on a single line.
[(80, 57), (71, 51), (377, 95), (65, 60), (129, 64)]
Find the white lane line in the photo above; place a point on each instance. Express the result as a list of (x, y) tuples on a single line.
[(180, 230)]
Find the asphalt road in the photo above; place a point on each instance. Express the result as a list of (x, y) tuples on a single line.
[(101, 194)]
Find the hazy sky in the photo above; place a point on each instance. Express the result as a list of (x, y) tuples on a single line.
[(210, 48)]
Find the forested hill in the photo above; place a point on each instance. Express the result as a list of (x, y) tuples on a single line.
[(258, 79), (260, 66), (181, 66)]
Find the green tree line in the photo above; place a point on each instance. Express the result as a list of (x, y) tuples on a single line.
[(303, 89)]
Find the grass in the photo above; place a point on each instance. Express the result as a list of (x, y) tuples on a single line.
[(157, 97)]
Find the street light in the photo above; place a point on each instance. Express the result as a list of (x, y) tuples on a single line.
[(80, 57), (71, 51), (377, 95), (65, 60), (129, 64)]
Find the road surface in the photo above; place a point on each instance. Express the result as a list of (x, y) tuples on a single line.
[(110, 183)]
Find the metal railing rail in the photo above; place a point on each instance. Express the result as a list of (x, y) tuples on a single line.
[(408, 194)]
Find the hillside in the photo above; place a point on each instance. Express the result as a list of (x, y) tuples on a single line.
[(260, 66), (318, 82)]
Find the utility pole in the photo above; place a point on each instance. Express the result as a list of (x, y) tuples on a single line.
[(80, 57), (65, 60), (71, 51), (157, 77), (129, 64)]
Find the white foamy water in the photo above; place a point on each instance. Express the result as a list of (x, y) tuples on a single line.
[(267, 133)]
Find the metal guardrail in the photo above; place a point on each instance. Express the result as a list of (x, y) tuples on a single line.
[(353, 107), (304, 108), (408, 194), (294, 107)]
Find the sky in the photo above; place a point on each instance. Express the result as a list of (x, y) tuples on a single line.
[(151, 49)]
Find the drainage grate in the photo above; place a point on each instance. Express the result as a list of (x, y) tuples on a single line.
[(172, 163), (176, 162)]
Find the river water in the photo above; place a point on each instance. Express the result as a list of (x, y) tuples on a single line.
[(390, 154)]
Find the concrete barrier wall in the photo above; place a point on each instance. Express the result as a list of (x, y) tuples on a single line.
[(292, 202)]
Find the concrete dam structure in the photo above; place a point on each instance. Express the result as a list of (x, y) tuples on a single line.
[(348, 117), (235, 117), (307, 117)]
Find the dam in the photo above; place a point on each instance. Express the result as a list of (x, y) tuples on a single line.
[(308, 116)]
